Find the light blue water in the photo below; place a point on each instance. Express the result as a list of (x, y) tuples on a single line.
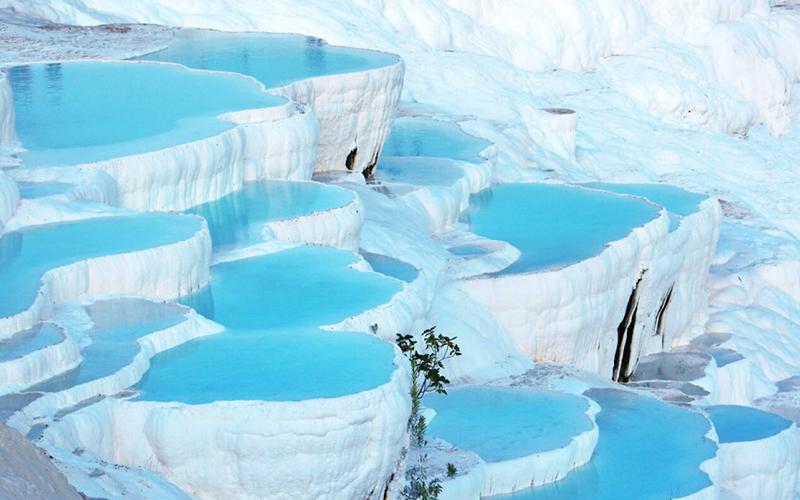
[(434, 139), (724, 356), (388, 266), (502, 423), (31, 190), (271, 348), (272, 59), (27, 254), (28, 341), (82, 112), (418, 171), (118, 324), (678, 202), (648, 450), (554, 225), (736, 424), (468, 250), (238, 218)]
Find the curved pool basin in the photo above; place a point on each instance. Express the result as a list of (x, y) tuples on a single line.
[(84, 112), (432, 138), (118, 325), (737, 424), (27, 254), (271, 349), (238, 218), (503, 423), (273, 59), (554, 225), (28, 341), (648, 450), (678, 202), (33, 190)]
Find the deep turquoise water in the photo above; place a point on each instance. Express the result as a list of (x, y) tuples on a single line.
[(28, 341), (30, 190), (272, 349), (118, 324), (735, 424), (501, 423), (648, 450), (27, 254), (83, 112), (432, 138), (272, 59), (238, 218), (678, 202), (554, 225)]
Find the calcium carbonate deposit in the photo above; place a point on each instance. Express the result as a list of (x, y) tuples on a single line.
[(217, 216)]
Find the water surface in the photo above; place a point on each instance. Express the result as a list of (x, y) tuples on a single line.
[(84, 112), (554, 225), (271, 349), (647, 450), (272, 59)]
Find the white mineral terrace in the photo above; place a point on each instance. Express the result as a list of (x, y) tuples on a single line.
[(211, 235)]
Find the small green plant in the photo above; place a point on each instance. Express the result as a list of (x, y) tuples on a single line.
[(451, 470), (426, 377), (374, 328)]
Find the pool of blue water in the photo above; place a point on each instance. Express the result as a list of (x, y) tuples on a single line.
[(418, 171), (678, 202), (272, 349), (272, 59), (27, 254), (554, 225), (28, 341), (432, 138), (84, 112), (736, 424), (32, 190), (238, 218), (724, 356), (502, 423), (388, 266), (647, 450), (118, 324)]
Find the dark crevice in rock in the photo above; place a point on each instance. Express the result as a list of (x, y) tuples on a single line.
[(370, 170), (660, 325), (625, 334), (350, 161)]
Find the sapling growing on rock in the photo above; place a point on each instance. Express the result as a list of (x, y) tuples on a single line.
[(426, 376)]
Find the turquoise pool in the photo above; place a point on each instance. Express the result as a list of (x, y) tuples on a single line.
[(554, 225), (118, 325), (27, 254), (28, 341), (238, 218), (678, 202), (391, 267), (502, 423), (648, 450), (32, 190), (271, 349), (736, 424), (84, 112), (272, 59), (432, 138)]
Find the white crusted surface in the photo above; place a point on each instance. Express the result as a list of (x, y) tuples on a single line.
[(164, 271), (767, 468), (345, 447), (338, 227)]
